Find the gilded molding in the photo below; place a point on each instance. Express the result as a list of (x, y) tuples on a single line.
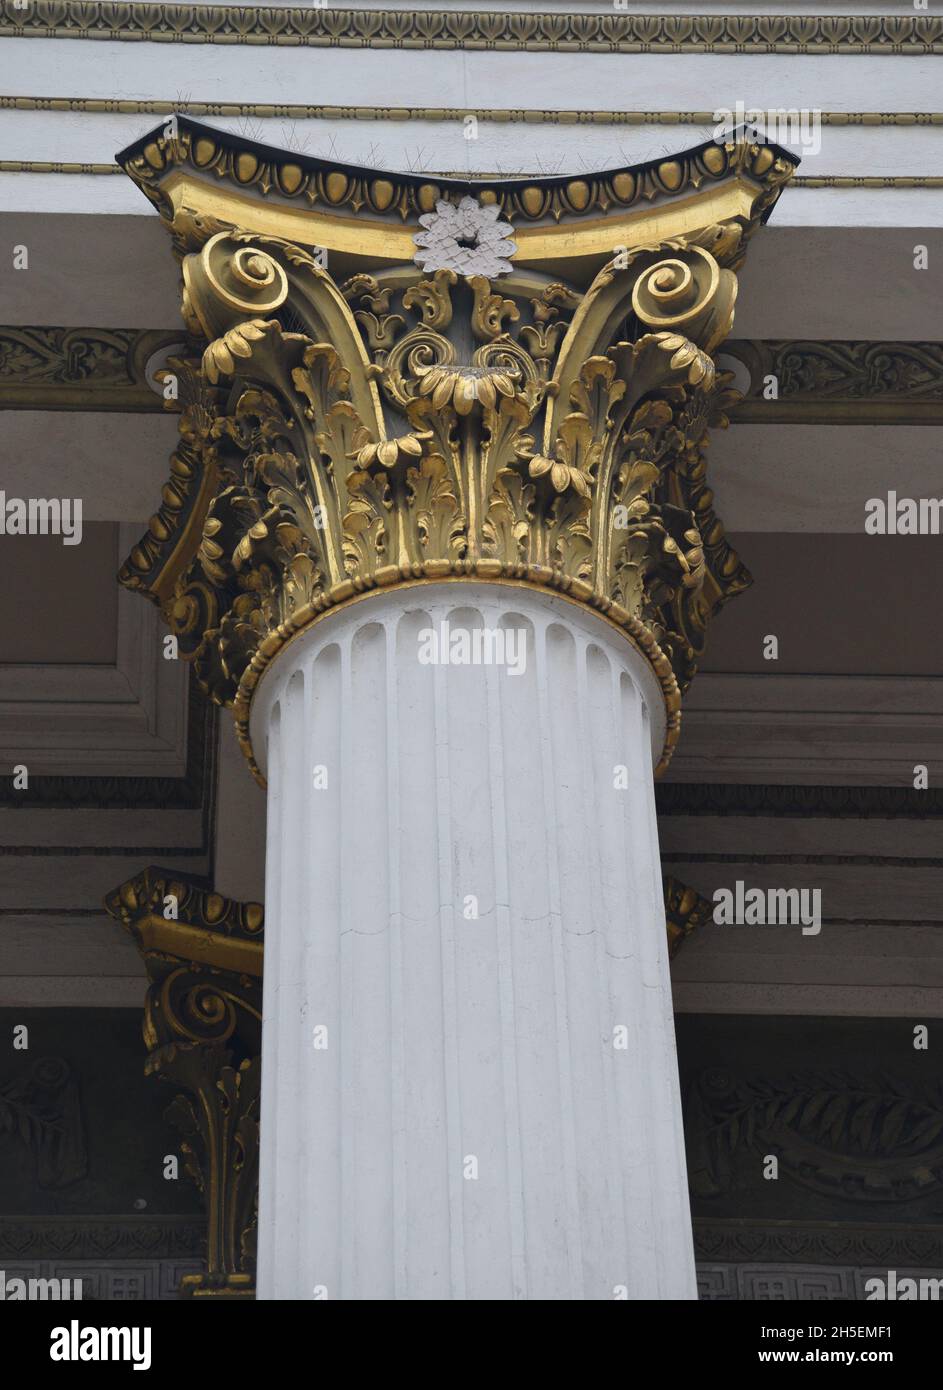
[(871, 181), (341, 435), (309, 111), (470, 29), (203, 1030), (888, 181), (164, 169), (203, 927), (43, 166)]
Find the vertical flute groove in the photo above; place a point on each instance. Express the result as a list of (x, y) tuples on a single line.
[(561, 994), (505, 971), (492, 1037), (268, 1208), (453, 1106), (345, 1005), (397, 1004)]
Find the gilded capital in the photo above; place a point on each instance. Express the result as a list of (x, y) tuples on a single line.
[(203, 1031), (362, 407)]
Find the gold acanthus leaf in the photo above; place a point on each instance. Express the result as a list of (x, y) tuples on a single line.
[(219, 357), (388, 452)]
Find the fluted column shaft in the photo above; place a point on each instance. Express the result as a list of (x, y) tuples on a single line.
[(470, 1085)]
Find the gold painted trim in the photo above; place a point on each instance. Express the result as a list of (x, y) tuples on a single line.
[(510, 31), (866, 181), (685, 911), (487, 571), (42, 166), (217, 163), (307, 111), (305, 226), (376, 241), (226, 1286), (31, 166), (193, 943), (176, 560), (797, 180), (210, 930), (203, 1032)]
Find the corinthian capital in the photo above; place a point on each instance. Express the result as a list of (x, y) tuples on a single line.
[(202, 1028), (352, 422)]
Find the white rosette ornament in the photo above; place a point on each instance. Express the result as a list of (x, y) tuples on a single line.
[(469, 239)]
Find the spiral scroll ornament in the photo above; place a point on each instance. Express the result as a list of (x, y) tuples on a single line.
[(688, 294), (227, 279)]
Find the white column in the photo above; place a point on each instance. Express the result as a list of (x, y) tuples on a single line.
[(472, 909)]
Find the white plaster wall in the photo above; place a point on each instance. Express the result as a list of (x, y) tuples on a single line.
[(477, 80), (499, 147)]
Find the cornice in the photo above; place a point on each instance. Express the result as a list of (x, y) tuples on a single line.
[(315, 27), (114, 1238), (895, 861)]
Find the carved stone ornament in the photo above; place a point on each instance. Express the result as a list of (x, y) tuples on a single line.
[(41, 1107), (535, 29), (368, 425), (469, 239), (864, 1139)]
